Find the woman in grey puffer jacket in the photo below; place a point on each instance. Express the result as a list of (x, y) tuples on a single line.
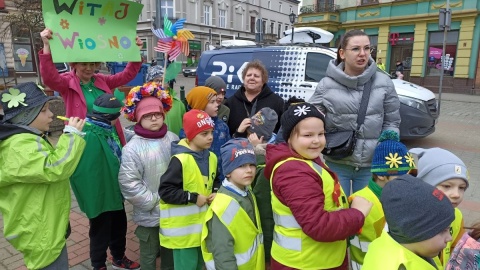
[(339, 94)]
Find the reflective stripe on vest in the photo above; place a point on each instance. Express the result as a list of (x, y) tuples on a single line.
[(371, 229), (291, 246), (248, 238), (181, 225), (362, 245)]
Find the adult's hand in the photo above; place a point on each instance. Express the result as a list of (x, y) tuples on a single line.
[(46, 35), (139, 43)]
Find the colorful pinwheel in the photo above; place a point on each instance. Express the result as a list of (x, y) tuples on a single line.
[(173, 39)]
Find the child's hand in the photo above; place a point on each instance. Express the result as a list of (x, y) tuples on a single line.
[(362, 204), (201, 200), (244, 125), (46, 34), (211, 197), (76, 123), (254, 140)]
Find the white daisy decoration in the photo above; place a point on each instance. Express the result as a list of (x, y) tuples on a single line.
[(299, 111)]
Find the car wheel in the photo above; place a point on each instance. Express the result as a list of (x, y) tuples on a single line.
[(185, 75)]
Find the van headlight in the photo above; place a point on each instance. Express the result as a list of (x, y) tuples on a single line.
[(414, 103)]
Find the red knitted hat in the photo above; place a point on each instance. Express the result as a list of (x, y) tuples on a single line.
[(196, 121)]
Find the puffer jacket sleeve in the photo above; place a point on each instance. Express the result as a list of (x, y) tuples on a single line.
[(45, 163), (317, 97), (130, 178), (391, 107)]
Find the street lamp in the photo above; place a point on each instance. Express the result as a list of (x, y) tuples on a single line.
[(292, 17)]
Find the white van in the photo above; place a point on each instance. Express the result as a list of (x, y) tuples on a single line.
[(295, 70)]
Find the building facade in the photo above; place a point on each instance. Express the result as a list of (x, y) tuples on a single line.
[(212, 22), (408, 30)]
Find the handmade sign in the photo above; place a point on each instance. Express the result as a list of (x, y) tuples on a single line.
[(92, 30)]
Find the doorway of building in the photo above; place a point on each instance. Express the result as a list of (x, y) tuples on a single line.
[(403, 53)]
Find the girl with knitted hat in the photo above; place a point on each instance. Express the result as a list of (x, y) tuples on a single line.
[(145, 159), (205, 99), (310, 209)]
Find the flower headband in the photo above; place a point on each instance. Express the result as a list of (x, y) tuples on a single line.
[(150, 89)]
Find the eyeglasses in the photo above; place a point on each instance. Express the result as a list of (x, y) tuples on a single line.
[(366, 49), (149, 116)]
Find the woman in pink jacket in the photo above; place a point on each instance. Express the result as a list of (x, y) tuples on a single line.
[(82, 85)]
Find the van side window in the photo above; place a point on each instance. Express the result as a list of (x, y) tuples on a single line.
[(316, 66)]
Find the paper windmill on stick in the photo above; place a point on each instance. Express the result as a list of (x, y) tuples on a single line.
[(173, 39)]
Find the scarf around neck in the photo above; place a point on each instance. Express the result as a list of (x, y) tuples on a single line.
[(140, 131)]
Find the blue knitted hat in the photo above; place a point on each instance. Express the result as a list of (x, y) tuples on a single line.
[(235, 153), (391, 157)]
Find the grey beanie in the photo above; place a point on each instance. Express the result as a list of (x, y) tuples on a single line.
[(263, 123), (216, 83), (414, 210), (154, 72), (436, 165)]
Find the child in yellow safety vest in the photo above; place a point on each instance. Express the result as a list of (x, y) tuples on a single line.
[(310, 209), (185, 189), (445, 171), (232, 234), (418, 218), (390, 160)]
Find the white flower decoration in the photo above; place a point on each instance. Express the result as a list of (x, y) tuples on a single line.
[(301, 110)]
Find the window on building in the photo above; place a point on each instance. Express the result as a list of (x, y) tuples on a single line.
[(286, 27), (168, 9), (280, 7), (264, 26), (252, 25), (222, 18), (435, 49), (207, 16), (269, 4), (279, 32), (272, 27), (291, 10)]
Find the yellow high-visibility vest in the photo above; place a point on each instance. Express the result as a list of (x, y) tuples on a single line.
[(386, 254), (181, 225), (371, 230), (291, 246), (248, 238)]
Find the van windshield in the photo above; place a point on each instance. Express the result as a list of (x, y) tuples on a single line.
[(316, 66)]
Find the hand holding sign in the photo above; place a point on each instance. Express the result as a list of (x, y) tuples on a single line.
[(91, 30)]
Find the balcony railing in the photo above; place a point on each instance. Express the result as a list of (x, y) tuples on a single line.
[(369, 2), (325, 7)]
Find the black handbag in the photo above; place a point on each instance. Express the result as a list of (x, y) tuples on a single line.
[(341, 144)]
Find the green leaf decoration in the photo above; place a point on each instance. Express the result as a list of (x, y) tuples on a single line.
[(172, 71), (14, 98)]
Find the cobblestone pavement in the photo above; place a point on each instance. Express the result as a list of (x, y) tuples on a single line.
[(458, 130)]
